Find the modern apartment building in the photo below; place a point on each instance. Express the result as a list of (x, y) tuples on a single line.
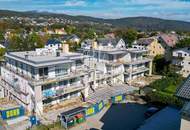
[(181, 59), (39, 78), (112, 57)]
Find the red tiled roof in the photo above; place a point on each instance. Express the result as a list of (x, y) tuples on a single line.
[(169, 39)]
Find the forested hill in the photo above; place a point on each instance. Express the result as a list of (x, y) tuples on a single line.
[(140, 23)]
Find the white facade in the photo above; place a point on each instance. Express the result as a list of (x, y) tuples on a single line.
[(128, 62), (33, 78), (181, 58)]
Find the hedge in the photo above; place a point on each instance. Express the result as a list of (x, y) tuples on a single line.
[(165, 98)]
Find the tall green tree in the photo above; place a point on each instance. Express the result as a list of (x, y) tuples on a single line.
[(129, 35)]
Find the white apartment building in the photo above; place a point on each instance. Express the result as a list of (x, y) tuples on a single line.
[(39, 78), (112, 58), (181, 59)]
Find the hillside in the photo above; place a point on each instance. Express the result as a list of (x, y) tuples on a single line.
[(140, 23)]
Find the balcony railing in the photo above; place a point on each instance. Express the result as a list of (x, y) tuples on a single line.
[(64, 90), (137, 61), (135, 71), (79, 71)]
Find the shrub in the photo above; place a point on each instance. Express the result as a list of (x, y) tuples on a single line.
[(165, 98)]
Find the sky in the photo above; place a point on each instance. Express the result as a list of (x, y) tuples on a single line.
[(167, 9)]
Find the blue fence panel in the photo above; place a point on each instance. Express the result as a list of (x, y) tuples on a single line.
[(12, 113), (117, 98)]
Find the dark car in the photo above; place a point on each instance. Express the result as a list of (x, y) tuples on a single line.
[(151, 111)]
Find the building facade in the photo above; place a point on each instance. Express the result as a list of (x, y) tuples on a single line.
[(181, 59), (39, 78), (114, 56)]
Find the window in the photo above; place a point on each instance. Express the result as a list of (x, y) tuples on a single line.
[(60, 70), (42, 71), (79, 62), (179, 54)]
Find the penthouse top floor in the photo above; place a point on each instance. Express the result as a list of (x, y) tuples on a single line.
[(44, 57)]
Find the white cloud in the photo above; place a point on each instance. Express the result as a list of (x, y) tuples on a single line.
[(71, 3)]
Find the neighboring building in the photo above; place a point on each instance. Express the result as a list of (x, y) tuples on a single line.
[(70, 38), (87, 44), (109, 35), (53, 44), (111, 55), (60, 31), (159, 45), (181, 59), (168, 42), (151, 44), (36, 79), (184, 93)]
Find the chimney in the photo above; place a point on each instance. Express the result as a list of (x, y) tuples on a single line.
[(65, 48), (58, 53), (26, 56), (94, 45)]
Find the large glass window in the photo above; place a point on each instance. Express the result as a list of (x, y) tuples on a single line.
[(79, 62), (61, 70), (43, 71)]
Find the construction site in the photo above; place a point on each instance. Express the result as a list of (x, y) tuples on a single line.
[(49, 81)]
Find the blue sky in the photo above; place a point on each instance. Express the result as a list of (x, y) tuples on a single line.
[(167, 9)]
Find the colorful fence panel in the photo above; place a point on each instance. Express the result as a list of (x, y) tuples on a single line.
[(94, 109), (12, 113), (117, 98)]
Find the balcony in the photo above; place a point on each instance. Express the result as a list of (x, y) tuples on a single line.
[(79, 71), (63, 90), (136, 71), (138, 61), (15, 92)]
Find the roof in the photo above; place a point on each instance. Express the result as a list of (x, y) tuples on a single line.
[(106, 41), (135, 50), (73, 111), (185, 112), (169, 39), (145, 41), (166, 119), (68, 37), (184, 90), (53, 42), (44, 59)]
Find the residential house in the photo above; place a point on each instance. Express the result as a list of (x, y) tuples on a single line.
[(53, 44), (60, 31), (151, 45), (168, 42), (70, 38), (181, 60)]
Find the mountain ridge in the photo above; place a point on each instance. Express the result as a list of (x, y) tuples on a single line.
[(140, 23)]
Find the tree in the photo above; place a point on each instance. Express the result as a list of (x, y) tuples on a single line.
[(183, 43), (129, 35), (2, 51), (70, 29), (1, 37), (160, 65)]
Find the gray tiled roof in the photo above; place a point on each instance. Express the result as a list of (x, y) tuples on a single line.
[(184, 90)]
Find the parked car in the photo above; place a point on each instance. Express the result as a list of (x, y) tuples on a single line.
[(151, 111)]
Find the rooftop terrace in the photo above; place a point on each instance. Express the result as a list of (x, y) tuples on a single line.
[(44, 58)]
